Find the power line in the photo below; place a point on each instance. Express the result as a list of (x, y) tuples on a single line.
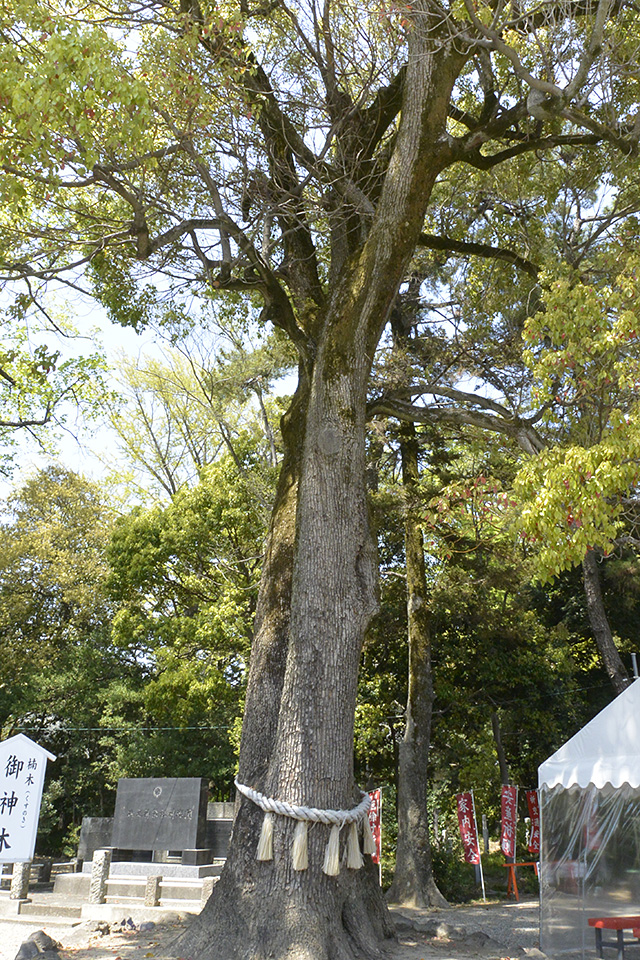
[(65, 728)]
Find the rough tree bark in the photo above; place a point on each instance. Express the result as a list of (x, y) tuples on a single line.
[(413, 881), (262, 910), (600, 624)]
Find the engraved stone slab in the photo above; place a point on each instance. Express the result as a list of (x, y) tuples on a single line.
[(160, 814), (95, 834)]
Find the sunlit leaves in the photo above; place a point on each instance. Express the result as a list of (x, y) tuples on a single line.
[(41, 385), (574, 496), (584, 352), (466, 514), (69, 100), (584, 348)]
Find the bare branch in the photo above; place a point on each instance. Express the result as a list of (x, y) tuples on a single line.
[(433, 242)]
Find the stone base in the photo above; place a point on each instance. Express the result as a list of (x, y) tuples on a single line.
[(122, 868), (198, 857), (11, 908), (116, 912)]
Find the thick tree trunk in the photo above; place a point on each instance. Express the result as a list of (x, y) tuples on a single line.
[(600, 624), (273, 610), (413, 881), (266, 909)]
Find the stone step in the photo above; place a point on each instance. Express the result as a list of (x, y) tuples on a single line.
[(50, 910), (191, 906), (180, 892), (126, 887), (73, 884), (30, 920), (176, 891), (124, 899)]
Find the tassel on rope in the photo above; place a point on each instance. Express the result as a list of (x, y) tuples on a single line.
[(354, 857), (306, 815), (368, 844), (300, 858), (332, 854), (265, 843)]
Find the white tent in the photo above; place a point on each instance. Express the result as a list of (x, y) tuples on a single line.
[(590, 827)]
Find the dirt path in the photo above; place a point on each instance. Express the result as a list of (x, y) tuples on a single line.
[(482, 931)]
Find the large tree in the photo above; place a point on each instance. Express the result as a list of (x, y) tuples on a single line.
[(289, 155)]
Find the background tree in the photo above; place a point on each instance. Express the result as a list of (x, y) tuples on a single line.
[(178, 414), (185, 578), (541, 404), (61, 673)]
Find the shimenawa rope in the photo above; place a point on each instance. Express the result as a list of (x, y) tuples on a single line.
[(306, 815)]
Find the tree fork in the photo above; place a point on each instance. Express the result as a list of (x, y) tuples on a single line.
[(267, 909)]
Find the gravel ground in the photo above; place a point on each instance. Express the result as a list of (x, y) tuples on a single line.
[(514, 925), (93, 941), (495, 929), (14, 932)]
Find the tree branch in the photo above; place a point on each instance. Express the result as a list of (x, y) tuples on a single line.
[(519, 430), (433, 242), (480, 162)]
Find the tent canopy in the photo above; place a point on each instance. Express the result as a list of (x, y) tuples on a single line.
[(606, 750)]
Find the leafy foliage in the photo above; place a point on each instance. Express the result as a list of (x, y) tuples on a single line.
[(585, 359), (41, 390), (60, 669)]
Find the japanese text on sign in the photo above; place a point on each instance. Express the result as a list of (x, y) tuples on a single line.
[(468, 828), (375, 821), (534, 813), (509, 821), (22, 769)]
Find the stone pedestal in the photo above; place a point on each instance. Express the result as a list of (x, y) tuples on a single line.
[(99, 876), (197, 857), (152, 891), (208, 883), (20, 881)]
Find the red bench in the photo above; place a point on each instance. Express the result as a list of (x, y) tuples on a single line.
[(619, 924)]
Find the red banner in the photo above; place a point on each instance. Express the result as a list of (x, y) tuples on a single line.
[(468, 828), (375, 821), (534, 813), (509, 820)]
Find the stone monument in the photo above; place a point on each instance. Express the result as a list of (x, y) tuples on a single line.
[(162, 814), (164, 846)]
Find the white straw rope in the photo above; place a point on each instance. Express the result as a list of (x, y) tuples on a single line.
[(339, 817)]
